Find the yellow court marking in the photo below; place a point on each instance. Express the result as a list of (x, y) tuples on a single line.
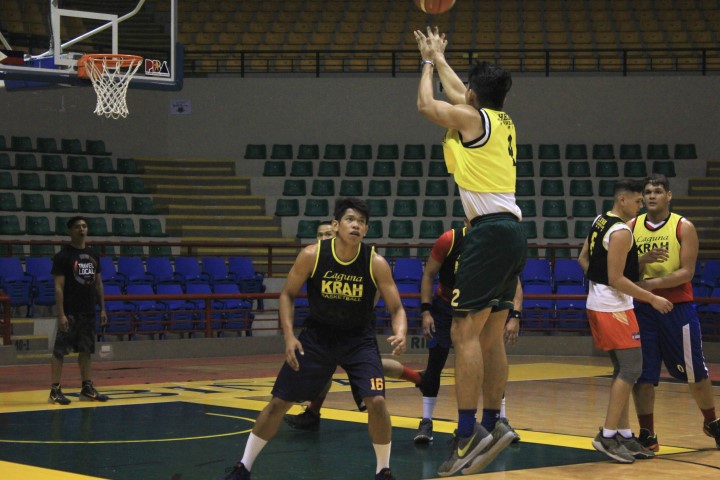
[(18, 471)]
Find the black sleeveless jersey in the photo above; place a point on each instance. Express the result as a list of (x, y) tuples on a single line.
[(449, 265), (598, 269), (342, 294)]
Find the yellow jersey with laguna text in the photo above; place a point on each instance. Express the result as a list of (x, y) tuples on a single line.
[(485, 164), (667, 236)]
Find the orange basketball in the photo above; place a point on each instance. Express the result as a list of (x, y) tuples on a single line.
[(434, 7)]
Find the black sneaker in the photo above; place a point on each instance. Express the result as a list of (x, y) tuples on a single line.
[(712, 429), (465, 450), (89, 394), (385, 474), (238, 472), (308, 420), (648, 439), (56, 396), (424, 434), (516, 436)]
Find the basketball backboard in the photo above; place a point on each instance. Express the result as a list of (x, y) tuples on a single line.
[(52, 35)]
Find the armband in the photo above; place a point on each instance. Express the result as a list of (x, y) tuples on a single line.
[(427, 62), (425, 307)]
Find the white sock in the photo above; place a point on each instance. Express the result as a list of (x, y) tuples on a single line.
[(429, 406), (502, 407), (608, 433), (382, 454), (253, 447), (625, 432)]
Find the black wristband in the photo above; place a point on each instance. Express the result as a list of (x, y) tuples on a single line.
[(425, 307), (515, 314)]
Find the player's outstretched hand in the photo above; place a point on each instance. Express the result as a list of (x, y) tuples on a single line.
[(662, 305), (398, 344), (290, 357)]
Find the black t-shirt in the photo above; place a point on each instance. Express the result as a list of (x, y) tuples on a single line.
[(81, 268)]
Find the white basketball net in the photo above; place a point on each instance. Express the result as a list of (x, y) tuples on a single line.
[(110, 77)]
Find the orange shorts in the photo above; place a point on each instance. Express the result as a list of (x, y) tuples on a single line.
[(614, 330)]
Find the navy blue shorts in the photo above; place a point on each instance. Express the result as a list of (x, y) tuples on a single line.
[(673, 339), (442, 314), (357, 354)]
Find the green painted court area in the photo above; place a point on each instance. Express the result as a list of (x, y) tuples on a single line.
[(183, 440)]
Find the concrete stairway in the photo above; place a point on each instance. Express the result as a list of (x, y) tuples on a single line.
[(701, 207)]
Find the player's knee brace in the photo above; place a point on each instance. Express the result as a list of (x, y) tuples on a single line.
[(630, 362)]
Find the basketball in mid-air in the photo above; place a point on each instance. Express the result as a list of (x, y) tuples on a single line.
[(434, 7)]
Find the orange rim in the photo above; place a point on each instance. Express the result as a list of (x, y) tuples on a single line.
[(98, 59)]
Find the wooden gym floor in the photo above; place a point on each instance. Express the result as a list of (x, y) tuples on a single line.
[(189, 419)]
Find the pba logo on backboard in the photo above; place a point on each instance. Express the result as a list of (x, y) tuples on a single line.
[(156, 68)]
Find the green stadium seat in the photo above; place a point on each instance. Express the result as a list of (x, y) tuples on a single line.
[(411, 168), (255, 152), (405, 208), (317, 207), (151, 227), (458, 210), (287, 207), (581, 188), (383, 168), (56, 182), (71, 145), (33, 202), (134, 185), (524, 151), (52, 163), (395, 252), (8, 203), (685, 151), (89, 204), (375, 229), (97, 227), (554, 208), (530, 228), (549, 151), (78, 163), (551, 169), (274, 168), (334, 152), (431, 228), (307, 229), (40, 250), (436, 152), (351, 188), (434, 208), (437, 169), (294, 188), (329, 168), (666, 167), (436, 188), (607, 205), (656, 151), (388, 152), (631, 151), (456, 190), (584, 208), (582, 228), (21, 144), (108, 184), (323, 188), (378, 207), (414, 152), (10, 225), (6, 181), (102, 165), (356, 168), (401, 229), (5, 163), (96, 147), (552, 188), (578, 168), (37, 226), (361, 152), (527, 207), (28, 181), (607, 168), (603, 152), (457, 224), (308, 152), (635, 168), (128, 250), (116, 204), (26, 161), (574, 151), (301, 168), (61, 203), (379, 188), (143, 206), (525, 169), (606, 188), (281, 152), (160, 250), (408, 188), (525, 188), (123, 227), (555, 229), (47, 145), (128, 166)]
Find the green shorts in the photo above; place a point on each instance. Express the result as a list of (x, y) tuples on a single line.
[(492, 258)]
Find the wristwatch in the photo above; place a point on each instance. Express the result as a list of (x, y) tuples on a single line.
[(515, 314), (428, 62)]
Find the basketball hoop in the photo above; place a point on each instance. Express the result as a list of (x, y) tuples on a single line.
[(110, 75)]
